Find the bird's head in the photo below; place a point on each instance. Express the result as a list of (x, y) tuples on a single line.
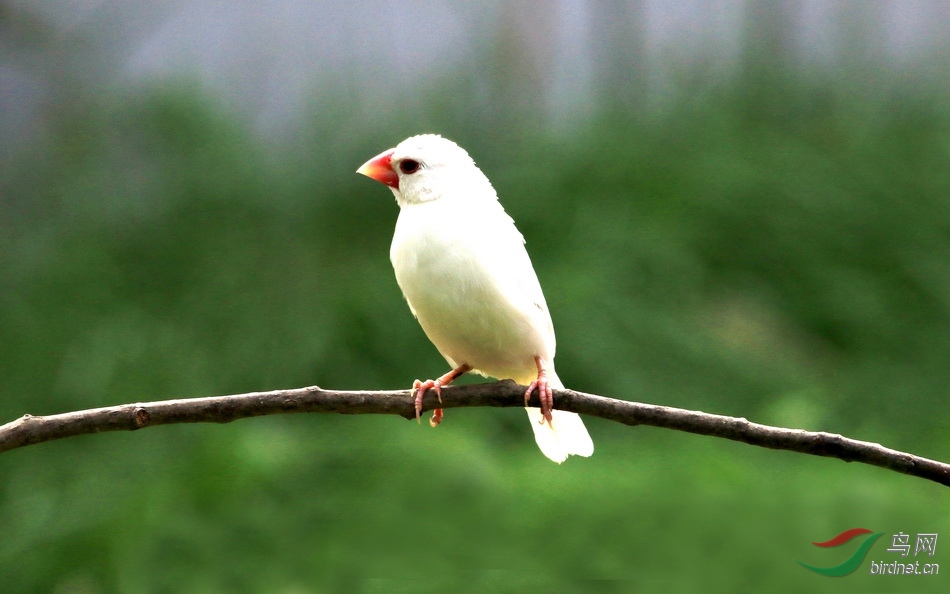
[(428, 167)]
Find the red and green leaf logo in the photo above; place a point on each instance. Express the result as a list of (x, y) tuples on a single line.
[(852, 562)]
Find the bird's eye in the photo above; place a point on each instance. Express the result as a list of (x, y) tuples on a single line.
[(409, 166)]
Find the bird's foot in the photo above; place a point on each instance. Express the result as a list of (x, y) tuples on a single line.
[(545, 393), (420, 389)]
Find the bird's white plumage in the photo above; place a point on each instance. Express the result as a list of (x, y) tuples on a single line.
[(466, 275)]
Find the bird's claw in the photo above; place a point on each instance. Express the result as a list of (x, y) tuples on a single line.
[(421, 388), (436, 384), (545, 394)]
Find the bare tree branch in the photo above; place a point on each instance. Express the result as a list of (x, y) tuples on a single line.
[(224, 409)]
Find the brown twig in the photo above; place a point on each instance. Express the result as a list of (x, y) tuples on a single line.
[(224, 409)]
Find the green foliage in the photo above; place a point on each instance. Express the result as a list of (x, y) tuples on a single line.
[(778, 256)]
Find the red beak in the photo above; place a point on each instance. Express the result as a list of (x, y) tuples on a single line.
[(380, 168)]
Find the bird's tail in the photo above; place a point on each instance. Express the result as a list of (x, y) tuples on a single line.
[(564, 435)]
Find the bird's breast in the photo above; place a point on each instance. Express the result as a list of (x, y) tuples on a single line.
[(469, 282)]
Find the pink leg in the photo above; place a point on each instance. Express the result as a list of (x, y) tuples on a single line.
[(545, 393), (436, 384)]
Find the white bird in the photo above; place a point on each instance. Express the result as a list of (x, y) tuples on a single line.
[(463, 269)]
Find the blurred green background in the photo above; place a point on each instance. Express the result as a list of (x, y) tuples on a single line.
[(766, 237)]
